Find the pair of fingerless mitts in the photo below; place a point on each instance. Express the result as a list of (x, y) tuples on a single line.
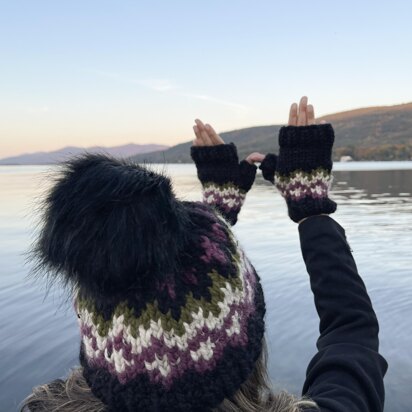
[(301, 171)]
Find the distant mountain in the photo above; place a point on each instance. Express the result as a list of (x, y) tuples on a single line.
[(372, 133), (40, 158)]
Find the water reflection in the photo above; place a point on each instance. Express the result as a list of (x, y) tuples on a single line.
[(374, 207), (392, 188), (374, 187)]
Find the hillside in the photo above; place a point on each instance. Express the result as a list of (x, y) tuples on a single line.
[(372, 133), (41, 158)]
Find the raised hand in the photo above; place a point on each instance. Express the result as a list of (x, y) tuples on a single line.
[(299, 115), (304, 164), (205, 135), (225, 181)]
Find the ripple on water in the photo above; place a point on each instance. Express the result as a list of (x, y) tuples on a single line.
[(39, 333)]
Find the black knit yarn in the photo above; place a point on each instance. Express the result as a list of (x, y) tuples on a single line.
[(305, 149), (201, 219), (194, 390), (133, 253), (200, 392), (220, 164), (268, 167), (310, 207)]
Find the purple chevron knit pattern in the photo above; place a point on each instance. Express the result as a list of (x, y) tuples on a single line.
[(154, 347)]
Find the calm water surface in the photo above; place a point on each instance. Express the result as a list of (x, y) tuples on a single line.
[(39, 336)]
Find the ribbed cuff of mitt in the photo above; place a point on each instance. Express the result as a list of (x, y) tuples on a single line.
[(303, 171), (220, 164), (310, 207)]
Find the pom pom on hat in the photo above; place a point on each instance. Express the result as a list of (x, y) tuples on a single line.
[(109, 225)]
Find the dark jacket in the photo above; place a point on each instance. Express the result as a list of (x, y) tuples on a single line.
[(346, 375)]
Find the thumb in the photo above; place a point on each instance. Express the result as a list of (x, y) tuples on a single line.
[(268, 167), (255, 157)]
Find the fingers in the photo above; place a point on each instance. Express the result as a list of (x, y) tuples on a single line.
[(310, 112), (255, 157), (198, 141), (216, 139), (205, 135), (197, 133), (302, 115), (293, 115)]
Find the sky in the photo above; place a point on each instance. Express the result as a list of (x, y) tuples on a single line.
[(84, 73)]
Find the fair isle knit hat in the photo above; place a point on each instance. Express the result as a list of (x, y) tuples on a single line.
[(170, 309)]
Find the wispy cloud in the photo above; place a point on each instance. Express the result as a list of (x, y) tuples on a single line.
[(215, 100), (163, 85), (156, 84)]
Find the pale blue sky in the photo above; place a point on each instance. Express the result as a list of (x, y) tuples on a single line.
[(113, 72)]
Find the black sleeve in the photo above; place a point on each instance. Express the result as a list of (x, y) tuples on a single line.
[(346, 375)]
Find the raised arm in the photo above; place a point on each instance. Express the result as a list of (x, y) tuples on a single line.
[(347, 372), (224, 180)]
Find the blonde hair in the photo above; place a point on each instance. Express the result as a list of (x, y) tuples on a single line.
[(255, 395)]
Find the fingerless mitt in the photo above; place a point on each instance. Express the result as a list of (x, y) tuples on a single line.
[(303, 170), (225, 181)]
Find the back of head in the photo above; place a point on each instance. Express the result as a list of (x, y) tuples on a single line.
[(170, 310)]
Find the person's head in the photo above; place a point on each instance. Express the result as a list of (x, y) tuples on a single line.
[(171, 312)]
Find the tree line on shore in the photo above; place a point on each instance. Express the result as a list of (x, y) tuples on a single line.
[(382, 152)]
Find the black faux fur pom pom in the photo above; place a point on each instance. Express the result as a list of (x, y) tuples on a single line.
[(109, 225)]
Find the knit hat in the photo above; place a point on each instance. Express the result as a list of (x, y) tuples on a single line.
[(170, 309)]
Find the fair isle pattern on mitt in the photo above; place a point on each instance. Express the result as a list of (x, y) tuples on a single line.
[(300, 184), (303, 170), (228, 198)]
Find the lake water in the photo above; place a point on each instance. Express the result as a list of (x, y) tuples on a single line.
[(39, 336)]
